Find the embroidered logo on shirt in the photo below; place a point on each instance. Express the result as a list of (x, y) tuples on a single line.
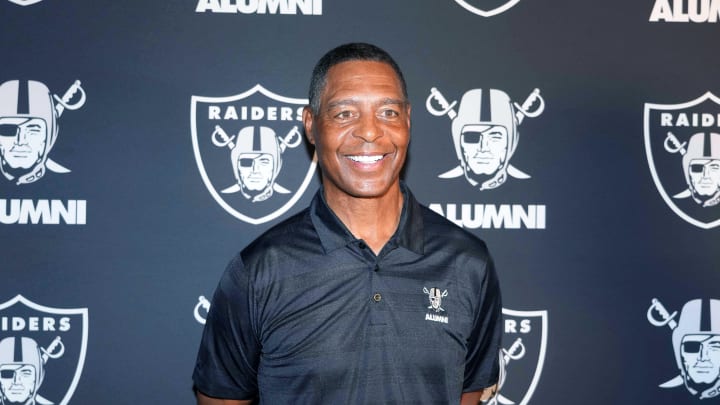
[(435, 296)]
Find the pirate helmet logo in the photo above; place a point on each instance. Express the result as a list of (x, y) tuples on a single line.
[(22, 368), (29, 129), (485, 134), (701, 165), (435, 296), (696, 344)]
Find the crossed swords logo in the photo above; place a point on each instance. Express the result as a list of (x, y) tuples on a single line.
[(63, 103), (521, 111), (221, 139)]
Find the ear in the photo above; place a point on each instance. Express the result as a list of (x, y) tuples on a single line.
[(407, 113), (307, 118)]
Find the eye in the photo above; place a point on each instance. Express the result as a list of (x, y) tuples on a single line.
[(344, 115), (389, 113)]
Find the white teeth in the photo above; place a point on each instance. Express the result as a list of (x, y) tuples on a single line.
[(365, 158)]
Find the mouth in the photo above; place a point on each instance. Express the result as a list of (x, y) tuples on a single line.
[(365, 159)]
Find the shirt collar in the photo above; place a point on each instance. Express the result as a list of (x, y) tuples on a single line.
[(334, 234)]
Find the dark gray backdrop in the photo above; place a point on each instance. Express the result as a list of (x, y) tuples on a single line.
[(155, 239)]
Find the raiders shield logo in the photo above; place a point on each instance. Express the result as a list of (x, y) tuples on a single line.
[(250, 151), (682, 143), (522, 357), (42, 352), (487, 8)]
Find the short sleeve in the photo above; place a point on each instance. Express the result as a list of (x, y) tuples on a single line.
[(229, 352), (481, 362)]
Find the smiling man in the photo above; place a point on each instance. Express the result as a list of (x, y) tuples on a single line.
[(332, 305)]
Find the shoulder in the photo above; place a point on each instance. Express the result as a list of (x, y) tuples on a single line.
[(290, 239), (441, 234)]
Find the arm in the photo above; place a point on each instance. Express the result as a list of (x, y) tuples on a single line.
[(202, 399), (474, 398), (483, 366), (229, 350)]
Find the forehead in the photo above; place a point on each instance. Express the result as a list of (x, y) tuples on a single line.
[(22, 121), (482, 128), (701, 338), (361, 78), (17, 367), (704, 161), (255, 155)]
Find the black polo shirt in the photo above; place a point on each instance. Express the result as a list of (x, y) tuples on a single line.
[(308, 314)]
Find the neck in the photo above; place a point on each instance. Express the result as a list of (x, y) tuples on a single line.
[(374, 220)]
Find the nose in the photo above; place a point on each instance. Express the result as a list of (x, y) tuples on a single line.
[(368, 129), (703, 355), (21, 138), (484, 143), (706, 172)]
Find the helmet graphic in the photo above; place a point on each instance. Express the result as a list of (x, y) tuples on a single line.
[(481, 110), (255, 147), (16, 353), (701, 164), (699, 319), (701, 146), (435, 295), (20, 102)]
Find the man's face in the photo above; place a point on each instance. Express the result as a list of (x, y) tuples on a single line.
[(484, 150), (362, 130), (17, 382), (256, 170), (22, 141), (701, 357), (705, 176)]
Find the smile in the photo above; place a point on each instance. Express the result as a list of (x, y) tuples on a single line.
[(365, 158)]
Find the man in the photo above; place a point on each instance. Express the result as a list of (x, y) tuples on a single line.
[(331, 306)]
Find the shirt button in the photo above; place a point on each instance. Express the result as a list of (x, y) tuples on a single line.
[(377, 297), (362, 245)]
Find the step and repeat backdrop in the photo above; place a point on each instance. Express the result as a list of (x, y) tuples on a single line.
[(120, 204)]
